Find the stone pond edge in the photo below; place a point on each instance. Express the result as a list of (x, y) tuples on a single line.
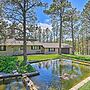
[(18, 75), (79, 85)]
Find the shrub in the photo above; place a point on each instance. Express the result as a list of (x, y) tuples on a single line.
[(10, 63), (7, 64)]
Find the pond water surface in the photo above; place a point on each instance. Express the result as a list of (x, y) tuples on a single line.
[(54, 75)]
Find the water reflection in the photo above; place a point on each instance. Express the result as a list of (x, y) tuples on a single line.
[(54, 75), (57, 74), (12, 85)]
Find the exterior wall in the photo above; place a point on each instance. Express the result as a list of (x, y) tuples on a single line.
[(47, 51), (56, 51), (12, 50), (9, 51), (70, 50), (17, 50), (35, 51)]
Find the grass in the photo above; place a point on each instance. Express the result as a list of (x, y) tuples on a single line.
[(78, 57), (40, 57), (54, 56), (86, 86)]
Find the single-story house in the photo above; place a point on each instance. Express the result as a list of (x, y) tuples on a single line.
[(15, 47)]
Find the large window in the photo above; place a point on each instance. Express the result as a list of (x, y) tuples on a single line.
[(51, 49), (2, 48), (35, 47)]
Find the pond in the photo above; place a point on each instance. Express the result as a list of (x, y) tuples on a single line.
[(59, 74), (54, 75)]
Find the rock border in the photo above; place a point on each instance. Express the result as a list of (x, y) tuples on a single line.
[(36, 61), (19, 75), (76, 87)]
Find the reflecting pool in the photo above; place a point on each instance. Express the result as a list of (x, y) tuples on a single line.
[(59, 74), (54, 75)]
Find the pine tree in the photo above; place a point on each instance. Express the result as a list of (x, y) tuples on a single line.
[(86, 25), (21, 12), (72, 16), (58, 7)]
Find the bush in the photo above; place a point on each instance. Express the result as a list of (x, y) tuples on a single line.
[(30, 68), (10, 63), (7, 64), (26, 69)]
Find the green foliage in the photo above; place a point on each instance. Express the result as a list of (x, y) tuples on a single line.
[(25, 69), (7, 63), (10, 63), (30, 68)]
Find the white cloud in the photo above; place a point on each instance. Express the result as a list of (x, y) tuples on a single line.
[(45, 25), (69, 39), (47, 20)]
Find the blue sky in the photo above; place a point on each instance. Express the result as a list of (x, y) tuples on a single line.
[(42, 18)]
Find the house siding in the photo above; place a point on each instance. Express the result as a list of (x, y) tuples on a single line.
[(16, 48), (49, 52), (9, 51)]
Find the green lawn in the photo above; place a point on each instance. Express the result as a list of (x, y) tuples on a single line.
[(40, 57), (86, 86), (54, 56), (78, 57)]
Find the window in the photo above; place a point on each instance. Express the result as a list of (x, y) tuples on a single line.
[(39, 47), (21, 48), (51, 49), (35, 47), (31, 47), (2, 48)]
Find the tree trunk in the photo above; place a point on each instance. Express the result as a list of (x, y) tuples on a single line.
[(54, 36), (60, 34), (73, 46), (78, 45), (39, 36), (87, 43), (24, 35), (87, 47), (57, 33), (82, 44), (51, 38)]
